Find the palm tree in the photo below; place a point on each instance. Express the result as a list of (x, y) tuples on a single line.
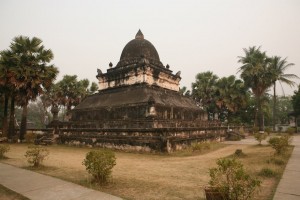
[(277, 67), (33, 74), (184, 91), (231, 94), (256, 75), (204, 90), (8, 84)]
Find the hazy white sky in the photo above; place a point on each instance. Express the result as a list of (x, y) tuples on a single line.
[(190, 36)]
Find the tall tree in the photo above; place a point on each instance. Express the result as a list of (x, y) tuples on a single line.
[(70, 92), (277, 67), (34, 75), (8, 85), (256, 75), (231, 96), (204, 90)]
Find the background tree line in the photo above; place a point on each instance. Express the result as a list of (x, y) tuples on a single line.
[(246, 101), (27, 77)]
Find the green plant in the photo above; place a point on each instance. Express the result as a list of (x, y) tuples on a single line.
[(99, 164), (268, 130), (281, 143), (267, 172), (239, 153), (200, 146), (36, 155), (4, 148), (232, 181), (260, 137), (30, 137), (291, 130)]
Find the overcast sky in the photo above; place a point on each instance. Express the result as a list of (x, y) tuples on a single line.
[(190, 36)]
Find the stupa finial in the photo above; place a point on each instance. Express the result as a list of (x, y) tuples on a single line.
[(139, 35)]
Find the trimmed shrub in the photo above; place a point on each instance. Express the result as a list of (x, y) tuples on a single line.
[(4, 148), (260, 137), (267, 172), (99, 164), (36, 155), (239, 153), (281, 143), (232, 181)]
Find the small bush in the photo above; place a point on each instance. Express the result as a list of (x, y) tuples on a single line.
[(4, 148), (99, 164), (281, 143), (36, 155), (268, 130), (200, 146), (267, 172), (239, 153), (260, 137), (290, 130), (30, 137), (234, 136), (231, 180)]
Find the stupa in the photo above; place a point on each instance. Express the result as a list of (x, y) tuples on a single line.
[(138, 92)]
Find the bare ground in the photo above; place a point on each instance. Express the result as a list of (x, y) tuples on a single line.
[(144, 176)]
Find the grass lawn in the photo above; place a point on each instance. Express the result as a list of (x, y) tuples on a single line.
[(181, 175)]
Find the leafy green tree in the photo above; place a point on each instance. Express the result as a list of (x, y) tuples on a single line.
[(36, 114), (33, 73), (184, 91), (296, 105), (93, 88), (284, 107), (70, 92), (278, 66), (257, 76), (204, 91), (231, 95)]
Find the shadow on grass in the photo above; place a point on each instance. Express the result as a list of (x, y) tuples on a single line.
[(6, 193)]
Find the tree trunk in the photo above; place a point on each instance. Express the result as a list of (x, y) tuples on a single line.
[(296, 124), (23, 127), (274, 106), (260, 114), (5, 116), (11, 126)]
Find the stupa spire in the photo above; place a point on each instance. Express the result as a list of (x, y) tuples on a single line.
[(139, 35)]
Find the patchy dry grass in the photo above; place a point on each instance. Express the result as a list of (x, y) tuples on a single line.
[(182, 175)]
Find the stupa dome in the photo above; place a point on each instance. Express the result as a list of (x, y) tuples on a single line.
[(137, 48)]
